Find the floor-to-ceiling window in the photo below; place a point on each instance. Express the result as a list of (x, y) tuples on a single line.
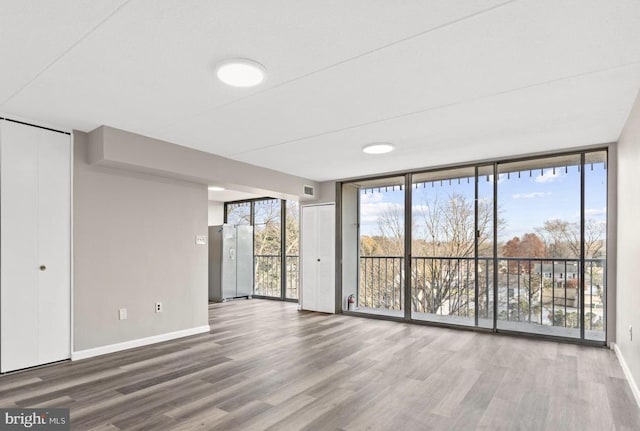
[(238, 213), (292, 250), (539, 249), (276, 233), (378, 206), (443, 247), (514, 245), (595, 244), (486, 224), (267, 247)]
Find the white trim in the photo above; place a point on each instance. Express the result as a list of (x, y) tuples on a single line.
[(627, 373), (72, 159), (111, 348)]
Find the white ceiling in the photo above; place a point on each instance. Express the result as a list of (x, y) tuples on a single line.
[(446, 81)]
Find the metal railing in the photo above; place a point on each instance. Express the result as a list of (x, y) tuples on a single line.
[(446, 285), (381, 282), (267, 275), (531, 290), (547, 291), (292, 276)]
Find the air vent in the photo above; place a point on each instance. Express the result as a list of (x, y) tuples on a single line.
[(308, 190)]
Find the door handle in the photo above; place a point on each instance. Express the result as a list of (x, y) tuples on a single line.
[(43, 268)]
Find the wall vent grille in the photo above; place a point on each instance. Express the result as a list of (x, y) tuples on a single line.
[(308, 190)]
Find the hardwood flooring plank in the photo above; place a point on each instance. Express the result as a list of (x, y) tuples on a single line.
[(294, 406), (267, 365), (156, 380), (205, 419), (312, 411), (625, 414), (104, 427), (237, 419)]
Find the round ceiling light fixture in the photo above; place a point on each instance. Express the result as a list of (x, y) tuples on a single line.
[(240, 72), (216, 189), (378, 148)]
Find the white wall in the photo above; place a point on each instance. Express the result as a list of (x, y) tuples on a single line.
[(628, 250), (216, 213), (125, 150), (326, 192), (134, 244)]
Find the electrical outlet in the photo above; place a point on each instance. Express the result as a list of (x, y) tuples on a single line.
[(158, 307), (122, 314), (630, 333)]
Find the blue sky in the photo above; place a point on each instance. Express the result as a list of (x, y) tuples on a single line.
[(525, 203)]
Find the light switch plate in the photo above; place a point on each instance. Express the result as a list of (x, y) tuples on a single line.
[(122, 314), (201, 239)]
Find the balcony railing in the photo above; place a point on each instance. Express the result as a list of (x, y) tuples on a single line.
[(546, 292), (381, 282), (530, 290), (267, 275), (293, 276)]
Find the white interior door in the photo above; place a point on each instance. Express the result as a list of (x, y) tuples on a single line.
[(318, 258), (54, 246), (18, 250), (325, 249), (34, 231), (309, 259)]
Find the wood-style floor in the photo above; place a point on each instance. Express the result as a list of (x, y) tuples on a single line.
[(267, 365)]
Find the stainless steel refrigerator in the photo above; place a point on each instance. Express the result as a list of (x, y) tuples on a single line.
[(230, 262)]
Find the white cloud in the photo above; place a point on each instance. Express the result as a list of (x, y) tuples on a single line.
[(594, 212), (601, 223), (547, 176), (371, 211), (421, 208), (531, 195)]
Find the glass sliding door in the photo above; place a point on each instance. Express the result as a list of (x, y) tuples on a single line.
[(276, 233), (513, 246), (443, 265), (381, 246), (595, 245), (267, 246), (538, 265)]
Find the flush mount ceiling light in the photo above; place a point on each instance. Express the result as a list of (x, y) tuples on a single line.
[(378, 148), (240, 72), (216, 189)]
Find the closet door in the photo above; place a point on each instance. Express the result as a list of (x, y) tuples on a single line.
[(54, 246), (325, 251), (34, 246), (309, 266), (318, 258), (18, 251)]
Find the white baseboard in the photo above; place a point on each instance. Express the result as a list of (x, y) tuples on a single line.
[(111, 348), (627, 373)]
